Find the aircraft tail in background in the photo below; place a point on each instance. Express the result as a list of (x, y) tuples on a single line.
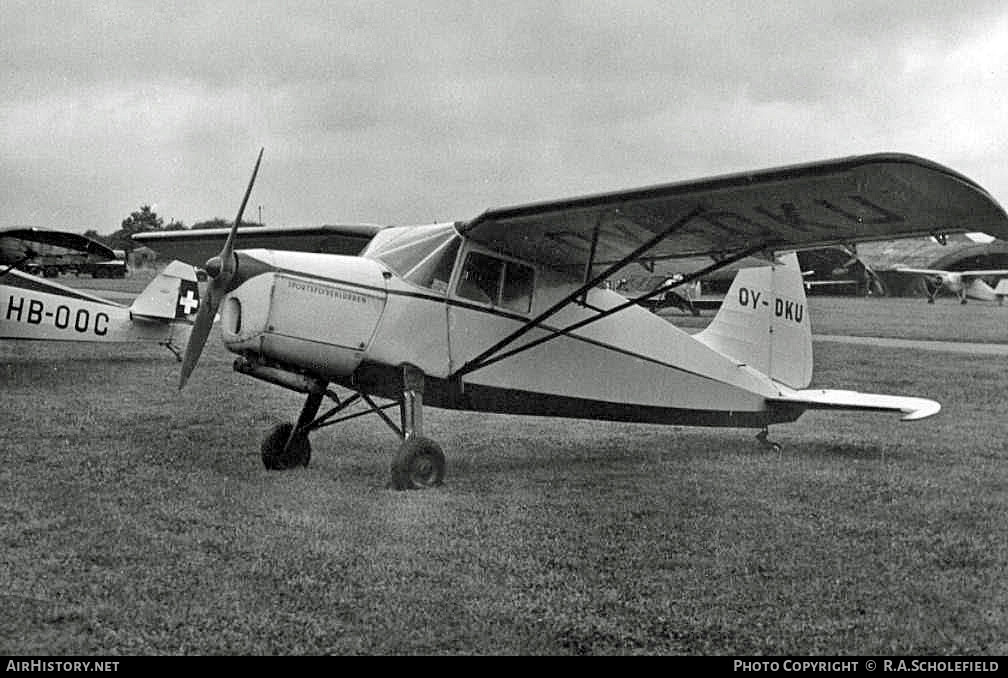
[(172, 295), (33, 308)]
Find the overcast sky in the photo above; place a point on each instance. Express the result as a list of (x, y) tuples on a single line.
[(413, 112)]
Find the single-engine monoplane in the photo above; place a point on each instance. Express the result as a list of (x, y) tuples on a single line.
[(507, 312), (964, 284)]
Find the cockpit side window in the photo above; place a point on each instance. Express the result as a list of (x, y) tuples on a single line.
[(490, 280), (516, 293), (481, 278)]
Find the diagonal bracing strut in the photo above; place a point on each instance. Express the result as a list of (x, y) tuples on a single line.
[(727, 261), (481, 360)]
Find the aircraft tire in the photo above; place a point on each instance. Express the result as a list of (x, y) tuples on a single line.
[(273, 456), (419, 464)]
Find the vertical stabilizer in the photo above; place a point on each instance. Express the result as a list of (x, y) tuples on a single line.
[(764, 323), (172, 295)]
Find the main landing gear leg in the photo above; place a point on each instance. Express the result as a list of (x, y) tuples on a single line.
[(766, 443), (287, 445), (420, 462), (174, 350)]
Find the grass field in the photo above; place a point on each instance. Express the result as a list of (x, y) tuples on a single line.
[(138, 520), (897, 317)]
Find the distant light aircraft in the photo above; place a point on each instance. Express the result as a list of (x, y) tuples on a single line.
[(839, 266), (504, 313), (821, 268), (38, 309), (964, 284), (32, 308), (687, 299), (17, 245)]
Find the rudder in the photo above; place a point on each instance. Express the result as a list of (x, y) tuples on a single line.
[(172, 295)]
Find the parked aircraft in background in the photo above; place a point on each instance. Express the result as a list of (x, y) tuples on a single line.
[(964, 284), (33, 308), (839, 266), (39, 309), (829, 269), (687, 298), (505, 313), (19, 246)]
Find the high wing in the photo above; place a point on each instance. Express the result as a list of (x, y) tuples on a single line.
[(961, 274), (64, 239), (196, 246), (871, 197)]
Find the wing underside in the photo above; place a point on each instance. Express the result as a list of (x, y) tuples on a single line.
[(874, 197)]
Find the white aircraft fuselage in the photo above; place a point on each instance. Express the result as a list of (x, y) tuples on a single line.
[(355, 321), (36, 309), (972, 288)]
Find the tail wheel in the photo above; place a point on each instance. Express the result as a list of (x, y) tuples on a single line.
[(419, 464), (767, 444), (274, 457)]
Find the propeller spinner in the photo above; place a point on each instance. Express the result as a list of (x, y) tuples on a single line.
[(220, 270)]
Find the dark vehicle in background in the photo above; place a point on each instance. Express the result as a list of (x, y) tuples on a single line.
[(54, 265)]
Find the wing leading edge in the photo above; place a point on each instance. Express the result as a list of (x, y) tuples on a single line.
[(196, 246), (856, 199)]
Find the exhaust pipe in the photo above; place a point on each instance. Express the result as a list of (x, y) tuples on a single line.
[(294, 381)]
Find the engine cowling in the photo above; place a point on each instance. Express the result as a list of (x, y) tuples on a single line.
[(320, 324)]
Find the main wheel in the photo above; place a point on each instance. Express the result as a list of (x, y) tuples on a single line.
[(419, 464), (298, 453)]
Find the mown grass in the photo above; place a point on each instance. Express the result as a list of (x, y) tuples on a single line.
[(138, 520)]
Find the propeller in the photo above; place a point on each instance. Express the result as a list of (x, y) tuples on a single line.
[(220, 270)]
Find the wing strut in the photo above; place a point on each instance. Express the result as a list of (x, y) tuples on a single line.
[(591, 257), (481, 360), (472, 366)]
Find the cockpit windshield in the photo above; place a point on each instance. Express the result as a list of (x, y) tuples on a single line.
[(422, 255)]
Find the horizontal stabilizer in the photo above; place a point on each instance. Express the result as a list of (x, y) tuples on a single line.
[(819, 399)]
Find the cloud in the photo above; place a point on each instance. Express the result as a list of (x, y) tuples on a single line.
[(402, 112)]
